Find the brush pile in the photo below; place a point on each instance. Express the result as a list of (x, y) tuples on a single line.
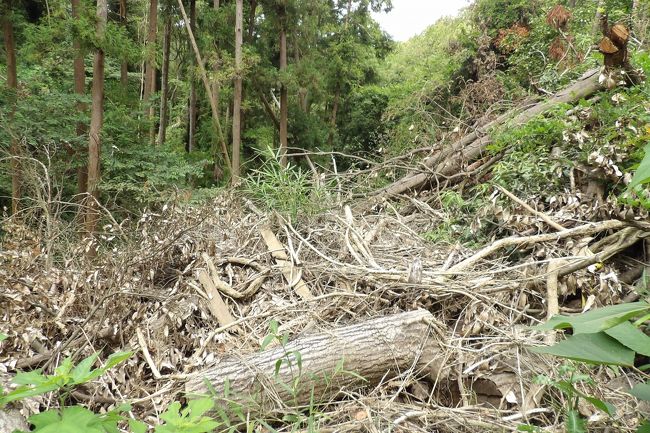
[(191, 286)]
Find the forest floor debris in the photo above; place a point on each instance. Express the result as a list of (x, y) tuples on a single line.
[(152, 290)]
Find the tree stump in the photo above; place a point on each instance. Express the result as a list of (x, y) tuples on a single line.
[(613, 46)]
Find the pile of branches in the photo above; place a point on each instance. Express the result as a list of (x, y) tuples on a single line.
[(191, 289)]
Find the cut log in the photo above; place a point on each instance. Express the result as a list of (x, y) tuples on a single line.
[(606, 46), (291, 273), (450, 161), (343, 358), (11, 420), (620, 35)]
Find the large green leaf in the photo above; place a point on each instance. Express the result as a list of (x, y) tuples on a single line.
[(632, 337), (575, 423), (642, 174), (597, 320), (644, 428), (73, 419), (597, 348), (641, 391)]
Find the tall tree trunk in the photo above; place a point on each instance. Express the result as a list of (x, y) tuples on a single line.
[(216, 88), (150, 67), (337, 92), (150, 64), (124, 67), (192, 112), (164, 91), (284, 96), (251, 20), (302, 90), (96, 122), (12, 84), (206, 84), (595, 27), (80, 89), (333, 115), (237, 101)]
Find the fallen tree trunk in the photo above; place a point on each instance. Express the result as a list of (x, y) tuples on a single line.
[(11, 420), (472, 146), (324, 364)]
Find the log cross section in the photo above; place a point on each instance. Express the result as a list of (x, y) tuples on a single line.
[(373, 350)]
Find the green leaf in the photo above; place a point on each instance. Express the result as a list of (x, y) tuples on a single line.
[(200, 406), (273, 327), (74, 419), (603, 406), (44, 418), (171, 414), (641, 391), (644, 428), (642, 174), (632, 337), (34, 377), (137, 426), (267, 340), (3, 337), (575, 423), (591, 348), (64, 369), (116, 358), (81, 372), (597, 320)]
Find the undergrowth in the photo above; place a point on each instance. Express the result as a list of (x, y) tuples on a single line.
[(291, 191)]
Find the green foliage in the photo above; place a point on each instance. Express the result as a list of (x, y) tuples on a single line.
[(502, 14), (290, 192), (642, 174), (417, 79), (598, 320), (65, 377), (567, 383), (457, 225), (191, 419), (596, 348), (68, 419), (602, 336), (77, 419), (362, 127)]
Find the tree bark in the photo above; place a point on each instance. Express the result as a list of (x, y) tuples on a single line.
[(595, 27), (80, 89), (192, 111), (337, 91), (284, 96), (96, 123), (237, 99), (150, 64), (206, 83), (164, 91), (12, 420), (150, 67), (12, 84), (450, 161), (373, 351), (216, 87), (333, 116), (251, 20), (124, 67)]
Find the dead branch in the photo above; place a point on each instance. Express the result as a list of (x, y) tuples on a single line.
[(586, 229)]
